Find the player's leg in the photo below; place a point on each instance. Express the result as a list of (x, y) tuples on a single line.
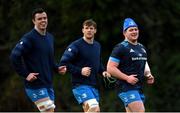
[(96, 95), (136, 106), (51, 96), (88, 97), (128, 110), (91, 105), (42, 99), (45, 105), (133, 101)]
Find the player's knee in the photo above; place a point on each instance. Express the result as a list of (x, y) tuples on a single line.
[(91, 106), (45, 106), (136, 106)]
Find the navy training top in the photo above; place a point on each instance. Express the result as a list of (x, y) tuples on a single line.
[(131, 59), (80, 54), (34, 53)]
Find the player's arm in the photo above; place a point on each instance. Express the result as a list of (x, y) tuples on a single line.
[(112, 68), (147, 71), (16, 57), (68, 57), (147, 74), (61, 69), (103, 72), (114, 71)]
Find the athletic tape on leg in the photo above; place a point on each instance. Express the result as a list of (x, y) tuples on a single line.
[(45, 105), (90, 105)]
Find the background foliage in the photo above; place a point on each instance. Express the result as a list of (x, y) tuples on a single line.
[(158, 21)]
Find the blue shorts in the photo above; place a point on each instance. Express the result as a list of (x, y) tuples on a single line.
[(131, 96), (85, 92), (36, 94)]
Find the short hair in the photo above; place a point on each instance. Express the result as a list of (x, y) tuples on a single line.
[(90, 22), (37, 10)]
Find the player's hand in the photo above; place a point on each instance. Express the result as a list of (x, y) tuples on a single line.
[(62, 70), (32, 76), (150, 79), (86, 71), (132, 79), (106, 74)]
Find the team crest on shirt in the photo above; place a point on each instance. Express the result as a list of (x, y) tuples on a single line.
[(21, 42), (69, 49)]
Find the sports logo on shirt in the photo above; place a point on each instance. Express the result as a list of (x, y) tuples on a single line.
[(69, 49), (131, 50), (21, 42)]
